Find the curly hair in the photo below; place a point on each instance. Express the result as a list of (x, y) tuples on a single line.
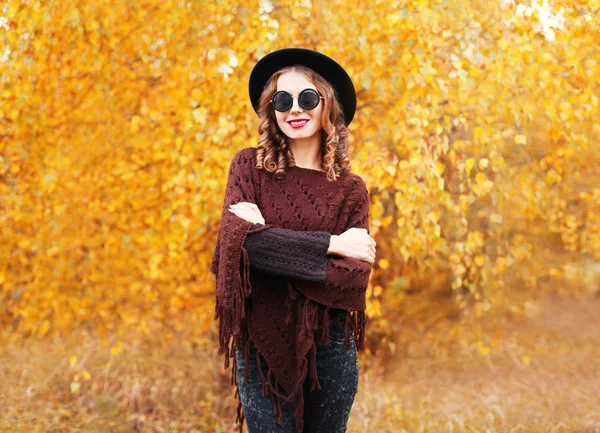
[(273, 153)]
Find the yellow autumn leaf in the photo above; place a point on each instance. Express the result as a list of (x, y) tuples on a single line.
[(115, 350), (433, 216), (483, 349), (405, 253), (496, 218), (480, 178), (373, 307), (200, 115), (75, 387), (441, 184), (521, 139), (469, 164), (478, 131)]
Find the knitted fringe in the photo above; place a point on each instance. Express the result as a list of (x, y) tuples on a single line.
[(315, 319), (355, 321), (233, 332), (270, 386), (232, 317), (231, 311)]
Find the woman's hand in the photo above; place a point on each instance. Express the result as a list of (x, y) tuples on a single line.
[(247, 211), (354, 242)]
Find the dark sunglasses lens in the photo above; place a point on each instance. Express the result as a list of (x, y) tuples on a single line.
[(308, 99), (282, 101)]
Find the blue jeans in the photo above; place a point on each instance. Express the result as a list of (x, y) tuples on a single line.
[(326, 410)]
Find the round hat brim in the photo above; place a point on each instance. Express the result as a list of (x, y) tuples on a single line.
[(325, 66)]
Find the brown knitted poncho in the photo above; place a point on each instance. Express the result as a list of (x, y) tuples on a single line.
[(285, 317)]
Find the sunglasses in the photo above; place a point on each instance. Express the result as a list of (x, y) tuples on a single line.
[(307, 99)]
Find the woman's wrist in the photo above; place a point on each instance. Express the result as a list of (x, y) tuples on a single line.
[(333, 245)]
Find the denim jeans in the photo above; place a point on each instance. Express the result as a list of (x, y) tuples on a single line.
[(326, 410)]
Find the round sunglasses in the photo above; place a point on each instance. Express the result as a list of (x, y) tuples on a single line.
[(307, 99)]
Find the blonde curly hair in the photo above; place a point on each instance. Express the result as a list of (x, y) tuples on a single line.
[(273, 153)]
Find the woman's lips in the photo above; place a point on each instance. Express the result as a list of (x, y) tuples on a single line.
[(298, 123)]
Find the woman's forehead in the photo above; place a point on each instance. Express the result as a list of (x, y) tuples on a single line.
[(294, 82)]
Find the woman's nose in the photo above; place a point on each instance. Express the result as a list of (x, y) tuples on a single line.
[(295, 106)]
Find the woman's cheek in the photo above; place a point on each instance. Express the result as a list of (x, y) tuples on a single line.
[(317, 124)]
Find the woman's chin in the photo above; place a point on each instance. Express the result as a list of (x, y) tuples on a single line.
[(295, 133)]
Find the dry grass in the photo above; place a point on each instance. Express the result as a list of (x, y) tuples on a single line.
[(539, 373)]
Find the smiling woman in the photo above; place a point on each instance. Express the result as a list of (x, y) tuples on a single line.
[(293, 255), (294, 85)]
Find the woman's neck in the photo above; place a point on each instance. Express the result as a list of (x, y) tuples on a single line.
[(307, 152)]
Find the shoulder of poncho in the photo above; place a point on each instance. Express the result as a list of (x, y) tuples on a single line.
[(357, 186), (358, 181), (244, 158), (247, 152)]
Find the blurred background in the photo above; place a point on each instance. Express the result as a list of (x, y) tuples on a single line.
[(476, 133)]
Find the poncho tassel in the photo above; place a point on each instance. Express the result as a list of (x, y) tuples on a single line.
[(296, 395), (246, 287), (232, 317), (246, 358), (299, 415), (268, 388), (240, 415), (355, 321), (234, 372), (292, 295), (324, 334), (313, 367), (308, 323), (361, 323), (265, 386)]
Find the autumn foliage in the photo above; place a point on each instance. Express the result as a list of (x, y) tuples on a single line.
[(476, 132)]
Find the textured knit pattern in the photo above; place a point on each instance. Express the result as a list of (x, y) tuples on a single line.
[(289, 253), (283, 317), (264, 247)]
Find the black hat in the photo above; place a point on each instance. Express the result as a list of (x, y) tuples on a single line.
[(320, 63)]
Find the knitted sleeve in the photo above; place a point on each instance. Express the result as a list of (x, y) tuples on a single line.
[(289, 253)]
